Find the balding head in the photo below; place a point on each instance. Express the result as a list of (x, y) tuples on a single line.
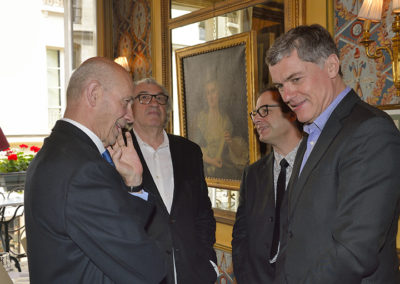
[(99, 97), (96, 68)]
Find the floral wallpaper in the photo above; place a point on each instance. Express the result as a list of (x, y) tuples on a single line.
[(371, 78)]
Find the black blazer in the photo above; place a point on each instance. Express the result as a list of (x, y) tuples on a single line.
[(190, 227), (344, 207), (254, 224), (82, 225)]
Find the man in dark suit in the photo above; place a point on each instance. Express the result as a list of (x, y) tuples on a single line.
[(183, 224), (82, 225), (253, 250), (344, 207)]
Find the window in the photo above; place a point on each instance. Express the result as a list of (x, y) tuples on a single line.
[(37, 60), (83, 31), (54, 89)]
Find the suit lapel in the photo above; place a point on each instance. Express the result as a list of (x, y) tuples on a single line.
[(177, 163), (296, 168), (328, 134), (265, 183), (73, 131)]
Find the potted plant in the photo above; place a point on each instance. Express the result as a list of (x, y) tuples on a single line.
[(13, 165)]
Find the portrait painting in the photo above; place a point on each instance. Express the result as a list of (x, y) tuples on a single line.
[(215, 90)]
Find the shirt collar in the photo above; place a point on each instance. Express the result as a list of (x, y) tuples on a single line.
[(141, 143), (96, 140), (321, 120), (289, 157)]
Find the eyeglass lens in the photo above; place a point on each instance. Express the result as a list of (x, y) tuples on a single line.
[(162, 99), (262, 111)]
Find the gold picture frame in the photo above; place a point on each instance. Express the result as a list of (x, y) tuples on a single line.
[(215, 94)]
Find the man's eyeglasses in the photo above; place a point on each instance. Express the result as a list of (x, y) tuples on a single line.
[(262, 111), (146, 98)]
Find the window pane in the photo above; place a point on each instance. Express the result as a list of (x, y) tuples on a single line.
[(54, 115), (53, 78), (53, 86), (53, 58), (54, 99), (83, 31), (182, 7)]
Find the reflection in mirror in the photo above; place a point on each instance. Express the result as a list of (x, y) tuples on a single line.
[(224, 199), (267, 19), (187, 6)]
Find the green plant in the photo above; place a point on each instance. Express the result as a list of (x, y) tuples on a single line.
[(16, 160)]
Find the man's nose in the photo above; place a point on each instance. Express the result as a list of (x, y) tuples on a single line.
[(153, 101), (129, 114), (256, 119), (287, 93)]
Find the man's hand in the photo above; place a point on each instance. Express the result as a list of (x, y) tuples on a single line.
[(126, 160)]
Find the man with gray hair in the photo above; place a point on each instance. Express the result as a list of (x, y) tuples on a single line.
[(343, 209), (183, 223)]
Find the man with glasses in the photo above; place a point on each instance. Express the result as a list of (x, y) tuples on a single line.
[(183, 224), (255, 243)]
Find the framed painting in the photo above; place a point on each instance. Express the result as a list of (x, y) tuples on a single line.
[(394, 112), (216, 92)]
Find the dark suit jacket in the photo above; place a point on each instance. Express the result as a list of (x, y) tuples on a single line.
[(190, 228), (82, 225), (344, 207), (254, 225)]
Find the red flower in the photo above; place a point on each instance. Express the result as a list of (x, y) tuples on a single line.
[(13, 157), (8, 149), (35, 149), (23, 146)]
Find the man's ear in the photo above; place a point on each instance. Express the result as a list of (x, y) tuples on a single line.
[(93, 92), (332, 64)]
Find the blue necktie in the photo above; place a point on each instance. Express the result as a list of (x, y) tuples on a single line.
[(106, 155)]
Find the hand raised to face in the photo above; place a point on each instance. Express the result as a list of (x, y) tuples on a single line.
[(126, 160)]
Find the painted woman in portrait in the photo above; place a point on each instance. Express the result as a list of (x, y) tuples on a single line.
[(224, 155)]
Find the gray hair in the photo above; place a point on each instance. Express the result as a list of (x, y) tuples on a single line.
[(153, 81), (313, 44)]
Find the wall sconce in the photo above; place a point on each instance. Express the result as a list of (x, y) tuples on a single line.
[(123, 61), (371, 11)]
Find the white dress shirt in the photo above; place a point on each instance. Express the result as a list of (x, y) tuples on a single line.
[(159, 162), (290, 157)]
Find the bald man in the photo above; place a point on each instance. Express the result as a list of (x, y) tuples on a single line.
[(82, 224)]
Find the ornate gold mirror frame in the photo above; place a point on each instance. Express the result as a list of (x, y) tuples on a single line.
[(162, 24)]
